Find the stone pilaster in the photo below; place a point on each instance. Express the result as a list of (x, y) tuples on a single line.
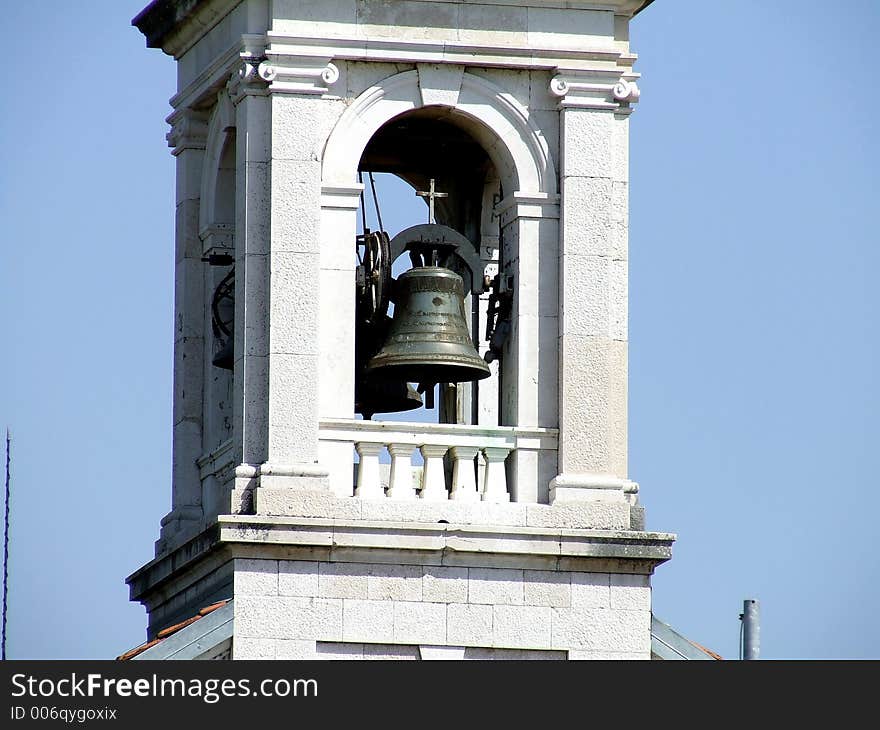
[(249, 94), (187, 139), (302, 114), (594, 109)]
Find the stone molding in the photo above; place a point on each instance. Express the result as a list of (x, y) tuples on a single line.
[(304, 64), (519, 145), (386, 50), (189, 130), (344, 197), (176, 25), (247, 80), (297, 74), (596, 89), (403, 543), (568, 488), (522, 205)]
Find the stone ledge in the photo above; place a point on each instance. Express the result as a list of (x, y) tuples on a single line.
[(596, 514), (401, 543)]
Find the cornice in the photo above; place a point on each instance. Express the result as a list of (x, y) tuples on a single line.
[(341, 540), (457, 52), (176, 25)]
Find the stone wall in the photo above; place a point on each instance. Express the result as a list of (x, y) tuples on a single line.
[(291, 609)]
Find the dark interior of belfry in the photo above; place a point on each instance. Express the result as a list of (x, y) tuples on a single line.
[(417, 331)]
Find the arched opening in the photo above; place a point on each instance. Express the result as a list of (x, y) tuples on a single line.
[(424, 167), (485, 148), (217, 234), (219, 246)]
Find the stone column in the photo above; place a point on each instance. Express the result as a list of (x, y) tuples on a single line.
[(187, 138), (593, 287)]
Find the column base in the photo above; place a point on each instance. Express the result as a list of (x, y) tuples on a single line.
[(566, 488)]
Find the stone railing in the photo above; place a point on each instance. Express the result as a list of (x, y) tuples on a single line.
[(462, 463)]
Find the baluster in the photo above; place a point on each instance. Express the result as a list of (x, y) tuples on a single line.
[(400, 484), (464, 482), (434, 479), (495, 483), (369, 482)]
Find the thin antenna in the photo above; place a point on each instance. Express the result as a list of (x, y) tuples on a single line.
[(5, 546)]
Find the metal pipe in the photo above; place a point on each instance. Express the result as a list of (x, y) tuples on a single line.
[(751, 626)]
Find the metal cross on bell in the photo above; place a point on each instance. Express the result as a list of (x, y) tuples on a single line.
[(431, 194)]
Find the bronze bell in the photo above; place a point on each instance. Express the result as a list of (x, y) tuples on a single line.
[(372, 394), (428, 340)]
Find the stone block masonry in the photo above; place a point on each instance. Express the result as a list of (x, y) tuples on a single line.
[(312, 610)]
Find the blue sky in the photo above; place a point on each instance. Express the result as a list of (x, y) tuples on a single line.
[(753, 319)]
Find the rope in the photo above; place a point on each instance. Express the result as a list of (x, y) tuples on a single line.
[(376, 202)]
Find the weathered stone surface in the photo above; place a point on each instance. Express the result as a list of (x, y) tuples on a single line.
[(522, 627), (246, 647), (445, 585), (547, 588), (588, 143), (343, 580), (469, 625), (580, 515), (590, 590), (295, 649), (419, 623), (630, 592), (256, 577), (395, 582), (371, 621), (495, 586), (602, 630), (297, 578)]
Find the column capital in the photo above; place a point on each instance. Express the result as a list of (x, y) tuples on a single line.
[(604, 90), (246, 80), (527, 205), (289, 74), (346, 197)]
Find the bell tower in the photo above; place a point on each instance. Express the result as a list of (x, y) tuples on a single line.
[(501, 524)]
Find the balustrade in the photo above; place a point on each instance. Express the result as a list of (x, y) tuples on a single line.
[(460, 463)]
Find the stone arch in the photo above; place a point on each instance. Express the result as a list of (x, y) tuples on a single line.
[(221, 136), (493, 117), (526, 244)]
